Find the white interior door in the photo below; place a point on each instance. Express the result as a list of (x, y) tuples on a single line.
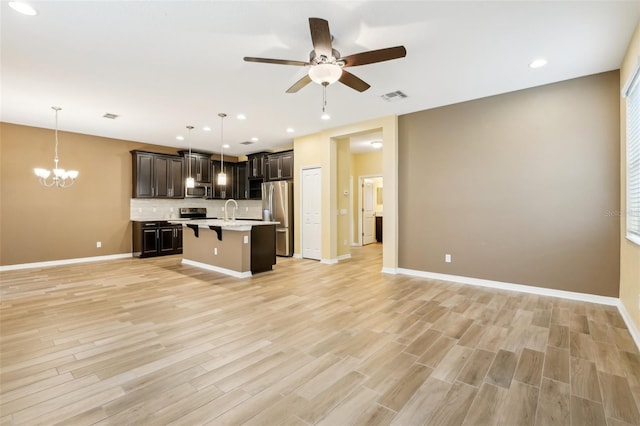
[(368, 213), (311, 225)]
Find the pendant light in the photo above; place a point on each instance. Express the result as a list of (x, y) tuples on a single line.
[(222, 176), (190, 181), (61, 177)]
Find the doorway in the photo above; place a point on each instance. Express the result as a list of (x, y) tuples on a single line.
[(371, 209), (311, 191)]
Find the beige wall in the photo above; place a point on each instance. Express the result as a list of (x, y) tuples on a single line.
[(320, 150), (42, 224), (629, 252), (516, 187)]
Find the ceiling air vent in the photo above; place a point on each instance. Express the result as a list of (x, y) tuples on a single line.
[(110, 116), (246, 143), (394, 96)]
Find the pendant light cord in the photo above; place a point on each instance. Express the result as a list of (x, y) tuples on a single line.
[(55, 158), (189, 161), (222, 116)]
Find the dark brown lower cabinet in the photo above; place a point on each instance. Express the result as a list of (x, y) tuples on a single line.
[(156, 238)]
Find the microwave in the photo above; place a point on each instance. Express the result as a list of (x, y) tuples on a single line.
[(200, 190)]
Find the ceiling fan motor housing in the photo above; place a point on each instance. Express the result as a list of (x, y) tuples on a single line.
[(315, 59)]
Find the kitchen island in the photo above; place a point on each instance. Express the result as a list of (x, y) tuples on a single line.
[(238, 248)]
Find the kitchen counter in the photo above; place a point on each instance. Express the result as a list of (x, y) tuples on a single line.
[(238, 248), (229, 225)]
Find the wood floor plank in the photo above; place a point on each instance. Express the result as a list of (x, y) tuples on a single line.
[(584, 379), (424, 402), (556, 364), (554, 403), (474, 371), (519, 407), (152, 341), (529, 369), (502, 369), (618, 400), (486, 407), (454, 406), (586, 413)]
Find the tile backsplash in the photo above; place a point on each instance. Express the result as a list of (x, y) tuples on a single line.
[(158, 209)]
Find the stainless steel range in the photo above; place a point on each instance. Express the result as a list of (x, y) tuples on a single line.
[(194, 213)]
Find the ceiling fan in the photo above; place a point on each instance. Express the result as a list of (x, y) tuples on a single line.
[(325, 64)]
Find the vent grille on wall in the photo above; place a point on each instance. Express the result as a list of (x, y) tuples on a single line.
[(394, 96)]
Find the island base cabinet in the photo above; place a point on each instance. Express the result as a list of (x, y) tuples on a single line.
[(234, 252), (231, 254), (263, 248)]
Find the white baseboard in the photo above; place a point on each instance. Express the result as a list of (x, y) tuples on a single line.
[(633, 330), (392, 271), (297, 255), (583, 297), (64, 262), (218, 269), (336, 259)]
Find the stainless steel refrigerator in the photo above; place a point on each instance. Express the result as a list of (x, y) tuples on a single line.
[(277, 205)]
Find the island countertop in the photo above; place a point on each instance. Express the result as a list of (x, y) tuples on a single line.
[(228, 225)]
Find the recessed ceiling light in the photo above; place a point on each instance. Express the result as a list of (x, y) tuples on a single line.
[(180, 137), (538, 63), (325, 116), (206, 128), (241, 117), (23, 8), (376, 144), (226, 146), (254, 139), (290, 130)]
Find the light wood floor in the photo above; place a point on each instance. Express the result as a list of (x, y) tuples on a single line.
[(154, 342)]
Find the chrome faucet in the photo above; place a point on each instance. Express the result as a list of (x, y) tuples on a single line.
[(226, 215)]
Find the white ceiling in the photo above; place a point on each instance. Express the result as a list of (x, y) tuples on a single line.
[(163, 65)]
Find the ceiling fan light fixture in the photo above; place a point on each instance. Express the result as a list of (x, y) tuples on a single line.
[(325, 73)]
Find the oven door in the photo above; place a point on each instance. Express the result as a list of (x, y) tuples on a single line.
[(198, 191)]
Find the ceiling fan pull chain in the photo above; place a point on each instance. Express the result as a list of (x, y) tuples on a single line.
[(324, 96)]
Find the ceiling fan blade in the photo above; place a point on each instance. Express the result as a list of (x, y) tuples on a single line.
[(352, 81), (276, 61), (320, 37), (373, 56), (299, 84)]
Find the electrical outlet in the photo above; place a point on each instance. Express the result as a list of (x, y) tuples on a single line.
[(98, 244), (246, 209), (639, 302), (447, 258), (245, 239), (344, 243), (215, 251)]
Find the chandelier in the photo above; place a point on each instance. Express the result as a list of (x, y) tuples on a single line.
[(61, 177)]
